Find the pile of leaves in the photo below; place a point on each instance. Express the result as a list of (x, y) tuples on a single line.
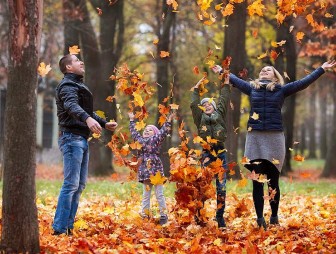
[(108, 224)]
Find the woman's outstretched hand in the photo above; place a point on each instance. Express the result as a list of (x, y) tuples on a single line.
[(329, 64)]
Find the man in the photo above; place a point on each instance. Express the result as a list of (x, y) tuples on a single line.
[(76, 119)]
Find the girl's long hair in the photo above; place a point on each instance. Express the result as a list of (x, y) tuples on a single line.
[(278, 79)]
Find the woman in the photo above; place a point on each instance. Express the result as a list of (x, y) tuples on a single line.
[(265, 140)]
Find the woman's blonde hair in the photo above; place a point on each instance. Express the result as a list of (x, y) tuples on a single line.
[(278, 79)]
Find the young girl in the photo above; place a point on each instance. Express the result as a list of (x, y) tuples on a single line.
[(211, 122), (151, 141)]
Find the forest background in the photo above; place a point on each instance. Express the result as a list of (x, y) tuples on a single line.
[(168, 45)]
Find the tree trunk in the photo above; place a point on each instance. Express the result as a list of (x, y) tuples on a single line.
[(20, 231), (162, 65), (312, 126), (330, 164), (289, 65), (323, 126), (234, 46), (303, 144)]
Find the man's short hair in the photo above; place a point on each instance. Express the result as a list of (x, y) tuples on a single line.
[(65, 60)]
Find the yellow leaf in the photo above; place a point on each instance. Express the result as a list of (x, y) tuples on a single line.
[(156, 41), (255, 116), (249, 128), (299, 36), (174, 106), (218, 6), (242, 183), (228, 10), (74, 50), (204, 128), (138, 99), (157, 179), (286, 75), (262, 55), (217, 48), (256, 8), (80, 224), (275, 161), (95, 135), (140, 125), (135, 145), (298, 158), (202, 108), (164, 54), (197, 139), (328, 15), (101, 114), (211, 63), (43, 69), (218, 242)]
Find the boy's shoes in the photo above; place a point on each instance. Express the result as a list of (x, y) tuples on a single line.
[(262, 223), (274, 220), (221, 222), (163, 219)]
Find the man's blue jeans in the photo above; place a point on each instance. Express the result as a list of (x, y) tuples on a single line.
[(75, 150)]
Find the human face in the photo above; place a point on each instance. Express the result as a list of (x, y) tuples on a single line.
[(76, 66), (209, 109), (266, 73), (148, 132)]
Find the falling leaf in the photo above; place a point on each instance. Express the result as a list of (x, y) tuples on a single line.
[(74, 50), (217, 48), (101, 114), (242, 183), (202, 108), (140, 125), (96, 135), (174, 106), (211, 63), (249, 128), (218, 7), (262, 55), (274, 55), (218, 242), (156, 41), (299, 36), (164, 54), (328, 15), (152, 54), (195, 70), (291, 29), (286, 75), (135, 145), (228, 10), (255, 33), (255, 116), (256, 8), (275, 161), (138, 99), (157, 179), (43, 69), (100, 12), (110, 98), (298, 158), (245, 160)]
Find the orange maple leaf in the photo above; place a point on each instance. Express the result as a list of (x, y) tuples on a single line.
[(43, 69), (157, 179), (74, 50), (228, 10), (164, 54)]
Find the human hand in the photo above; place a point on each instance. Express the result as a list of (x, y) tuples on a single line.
[(171, 116), (93, 125), (216, 69), (199, 82), (131, 116), (328, 65), (111, 126)]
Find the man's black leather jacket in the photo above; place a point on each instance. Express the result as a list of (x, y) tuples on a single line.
[(74, 105)]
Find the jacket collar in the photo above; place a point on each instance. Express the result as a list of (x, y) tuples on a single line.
[(74, 77)]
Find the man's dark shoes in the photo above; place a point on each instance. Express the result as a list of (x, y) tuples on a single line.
[(221, 222), (262, 223), (274, 220), (68, 232)]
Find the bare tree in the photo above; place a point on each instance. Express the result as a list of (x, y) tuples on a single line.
[(19, 212)]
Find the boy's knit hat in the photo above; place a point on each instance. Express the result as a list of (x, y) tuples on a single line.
[(207, 100), (154, 128)]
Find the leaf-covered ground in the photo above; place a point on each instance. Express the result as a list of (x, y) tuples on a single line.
[(110, 223)]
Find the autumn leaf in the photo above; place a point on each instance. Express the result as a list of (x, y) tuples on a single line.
[(101, 114), (245, 160), (298, 158), (135, 145), (256, 8), (110, 98), (157, 179), (262, 55), (100, 12), (156, 41), (274, 55), (139, 125), (74, 50), (286, 75), (197, 140), (174, 106), (173, 3), (275, 161), (164, 54), (195, 70), (299, 36), (211, 63), (228, 10), (138, 99), (328, 15), (242, 183), (43, 69), (96, 135), (255, 33)]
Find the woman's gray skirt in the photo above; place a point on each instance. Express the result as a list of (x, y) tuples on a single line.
[(269, 145)]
